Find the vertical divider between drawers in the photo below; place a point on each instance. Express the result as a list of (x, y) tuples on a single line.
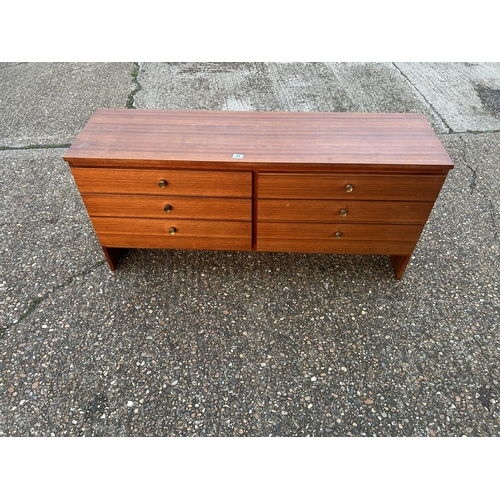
[(255, 197)]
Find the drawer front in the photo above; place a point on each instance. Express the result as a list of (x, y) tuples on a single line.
[(189, 234), (337, 246), (338, 232), (350, 186), (397, 212), (168, 207), (181, 243), (174, 182), (198, 228)]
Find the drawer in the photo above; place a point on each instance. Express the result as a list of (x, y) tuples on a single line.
[(175, 182), (168, 207), (337, 246), (322, 238), (189, 234), (348, 232), (350, 186), (397, 212)]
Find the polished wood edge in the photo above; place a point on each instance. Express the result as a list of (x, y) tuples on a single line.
[(112, 256), (400, 262), (299, 167)]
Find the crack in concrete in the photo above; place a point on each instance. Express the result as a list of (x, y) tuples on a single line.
[(473, 188), (473, 181), (131, 97), (468, 132), (36, 302), (481, 131), (34, 146), (450, 130)]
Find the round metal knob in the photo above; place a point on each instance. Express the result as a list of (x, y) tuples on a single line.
[(162, 183), (338, 235), (172, 230), (343, 212), (349, 188), (167, 208)]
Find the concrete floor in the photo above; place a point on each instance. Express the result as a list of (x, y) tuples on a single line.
[(179, 343)]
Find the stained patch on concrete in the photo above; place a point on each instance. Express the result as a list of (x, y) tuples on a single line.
[(461, 94), (490, 99)]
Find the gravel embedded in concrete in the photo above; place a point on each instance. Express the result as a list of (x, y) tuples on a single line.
[(49, 103), (45, 231)]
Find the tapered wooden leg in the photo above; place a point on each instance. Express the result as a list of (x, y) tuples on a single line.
[(112, 256), (400, 262)]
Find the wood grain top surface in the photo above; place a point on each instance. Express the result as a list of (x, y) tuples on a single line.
[(163, 137)]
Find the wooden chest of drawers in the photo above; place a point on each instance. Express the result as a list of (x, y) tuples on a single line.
[(259, 181)]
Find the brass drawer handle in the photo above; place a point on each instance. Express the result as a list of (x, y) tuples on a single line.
[(349, 188), (343, 212), (162, 183), (172, 230), (338, 235), (167, 208)]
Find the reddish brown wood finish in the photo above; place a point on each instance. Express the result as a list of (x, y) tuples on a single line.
[(344, 211), (112, 256), (284, 191), (364, 187), (400, 262), (336, 246), (183, 227), (349, 232), (154, 233), (131, 138), (179, 243), (179, 207), (337, 238), (178, 182)]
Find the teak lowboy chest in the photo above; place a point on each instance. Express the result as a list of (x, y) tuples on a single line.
[(357, 183)]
